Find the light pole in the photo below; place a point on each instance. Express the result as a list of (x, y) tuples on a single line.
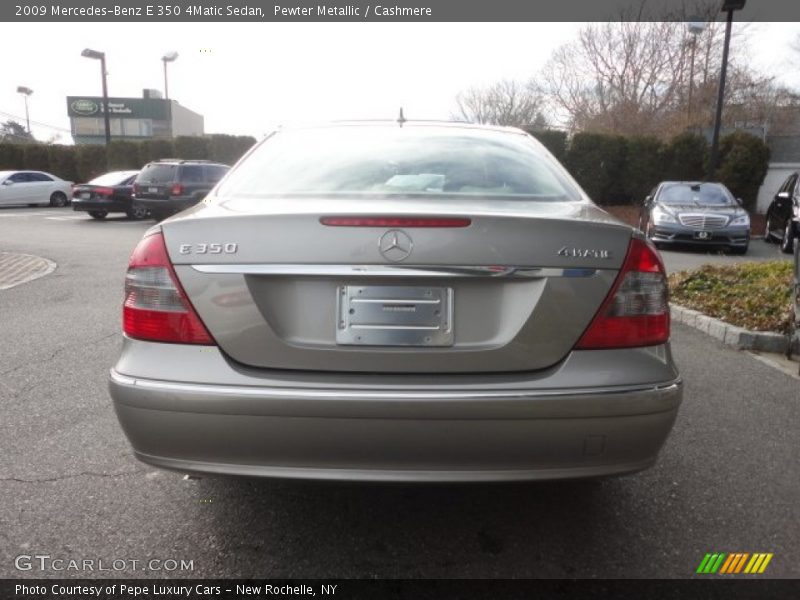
[(728, 6), (101, 56), (167, 58), (26, 91), (696, 27)]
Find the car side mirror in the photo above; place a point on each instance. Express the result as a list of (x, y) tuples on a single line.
[(739, 202), (648, 201), (782, 195), (8, 182)]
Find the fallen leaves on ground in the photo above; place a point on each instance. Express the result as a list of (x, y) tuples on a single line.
[(756, 296)]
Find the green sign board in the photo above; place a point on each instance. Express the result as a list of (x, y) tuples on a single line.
[(130, 108)]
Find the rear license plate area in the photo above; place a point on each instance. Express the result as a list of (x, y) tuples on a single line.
[(85, 195), (381, 315)]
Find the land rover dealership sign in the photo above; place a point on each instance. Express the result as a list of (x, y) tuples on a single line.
[(132, 108), (84, 107)]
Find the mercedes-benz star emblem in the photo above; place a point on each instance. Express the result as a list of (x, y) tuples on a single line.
[(395, 245)]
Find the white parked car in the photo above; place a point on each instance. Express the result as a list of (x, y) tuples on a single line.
[(33, 187)]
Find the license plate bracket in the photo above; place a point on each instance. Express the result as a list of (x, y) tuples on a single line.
[(702, 235), (382, 315)]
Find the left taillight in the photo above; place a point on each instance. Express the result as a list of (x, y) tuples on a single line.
[(156, 307)]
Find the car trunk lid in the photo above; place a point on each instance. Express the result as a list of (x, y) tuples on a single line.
[(511, 291)]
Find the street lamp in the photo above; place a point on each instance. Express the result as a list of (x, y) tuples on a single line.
[(26, 91), (696, 27), (728, 6), (167, 58), (101, 56)]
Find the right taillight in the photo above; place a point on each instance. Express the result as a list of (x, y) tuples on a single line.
[(156, 307), (636, 310)]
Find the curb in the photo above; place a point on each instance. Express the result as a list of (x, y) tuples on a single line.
[(739, 337)]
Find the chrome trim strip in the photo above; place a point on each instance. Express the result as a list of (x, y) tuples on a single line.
[(393, 270), (346, 394)]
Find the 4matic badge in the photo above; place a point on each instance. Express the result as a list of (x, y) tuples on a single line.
[(584, 252)]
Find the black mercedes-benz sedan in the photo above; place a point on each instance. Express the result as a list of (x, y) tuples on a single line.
[(111, 192)]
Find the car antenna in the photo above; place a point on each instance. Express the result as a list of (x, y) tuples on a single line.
[(401, 119)]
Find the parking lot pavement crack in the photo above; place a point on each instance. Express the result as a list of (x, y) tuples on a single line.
[(58, 351), (72, 476)]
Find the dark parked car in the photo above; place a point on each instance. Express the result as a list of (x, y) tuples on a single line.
[(695, 213), (783, 215), (169, 185), (795, 301), (796, 295), (108, 193)]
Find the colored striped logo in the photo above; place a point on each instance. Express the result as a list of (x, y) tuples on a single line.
[(734, 563)]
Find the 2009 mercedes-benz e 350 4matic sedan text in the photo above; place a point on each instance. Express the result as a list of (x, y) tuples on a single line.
[(398, 301)]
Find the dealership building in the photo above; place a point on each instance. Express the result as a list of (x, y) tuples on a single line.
[(134, 119)]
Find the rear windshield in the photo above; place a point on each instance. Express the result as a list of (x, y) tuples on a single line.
[(157, 173), (399, 161), (694, 194), (116, 178)]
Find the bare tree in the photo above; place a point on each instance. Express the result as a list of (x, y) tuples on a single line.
[(761, 104), (506, 102), (12, 132), (636, 77)]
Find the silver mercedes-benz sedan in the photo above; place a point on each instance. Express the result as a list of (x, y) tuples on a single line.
[(396, 301)]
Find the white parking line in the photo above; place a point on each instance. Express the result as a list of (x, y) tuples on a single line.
[(65, 218), (26, 214)]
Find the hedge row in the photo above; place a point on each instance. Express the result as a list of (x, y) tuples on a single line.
[(618, 170), (84, 162), (612, 169)]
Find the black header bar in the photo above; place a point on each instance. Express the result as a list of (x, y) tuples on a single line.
[(711, 588), (385, 11)]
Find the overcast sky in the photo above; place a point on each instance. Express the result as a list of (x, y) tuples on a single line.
[(247, 77)]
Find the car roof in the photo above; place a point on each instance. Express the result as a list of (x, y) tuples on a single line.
[(7, 173), (182, 161), (24, 171), (411, 123), (121, 172), (692, 183)]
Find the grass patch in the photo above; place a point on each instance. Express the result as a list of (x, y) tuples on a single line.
[(755, 296)]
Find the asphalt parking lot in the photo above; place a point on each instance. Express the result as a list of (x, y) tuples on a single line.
[(728, 479), (690, 258)]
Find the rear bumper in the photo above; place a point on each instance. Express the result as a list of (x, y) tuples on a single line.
[(109, 206), (172, 205), (518, 430)]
